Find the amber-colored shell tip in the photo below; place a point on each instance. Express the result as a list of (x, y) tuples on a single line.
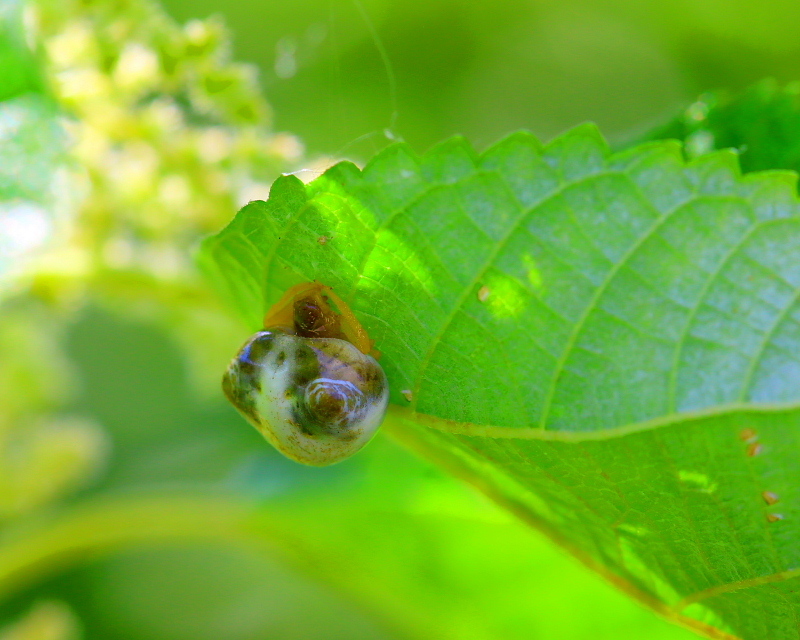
[(339, 322)]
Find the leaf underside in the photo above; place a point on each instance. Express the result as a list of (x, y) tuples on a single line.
[(606, 343)]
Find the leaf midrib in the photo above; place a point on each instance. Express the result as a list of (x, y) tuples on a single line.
[(679, 419)]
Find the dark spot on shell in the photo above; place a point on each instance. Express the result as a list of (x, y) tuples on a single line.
[(302, 425), (238, 396), (306, 366), (249, 359), (242, 380), (254, 352)]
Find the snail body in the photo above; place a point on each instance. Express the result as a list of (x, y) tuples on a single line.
[(306, 383)]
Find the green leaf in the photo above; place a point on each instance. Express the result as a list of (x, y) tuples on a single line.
[(604, 343), (762, 123)]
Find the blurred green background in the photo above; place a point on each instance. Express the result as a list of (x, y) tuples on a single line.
[(483, 69), (134, 503)]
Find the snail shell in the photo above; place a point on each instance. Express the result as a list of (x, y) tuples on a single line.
[(318, 400)]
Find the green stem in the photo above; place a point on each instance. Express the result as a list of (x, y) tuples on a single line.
[(36, 550)]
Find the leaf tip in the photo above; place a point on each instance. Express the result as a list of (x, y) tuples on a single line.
[(715, 172), (522, 138), (285, 183), (579, 151), (449, 161), (395, 157)]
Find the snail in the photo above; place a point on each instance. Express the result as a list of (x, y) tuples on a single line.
[(310, 381)]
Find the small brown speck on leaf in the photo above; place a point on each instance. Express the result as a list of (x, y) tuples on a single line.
[(753, 449), (748, 435), (770, 497), (407, 394), (774, 517), (484, 293), (323, 239)]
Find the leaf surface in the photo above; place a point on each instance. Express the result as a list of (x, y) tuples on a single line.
[(604, 343)]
